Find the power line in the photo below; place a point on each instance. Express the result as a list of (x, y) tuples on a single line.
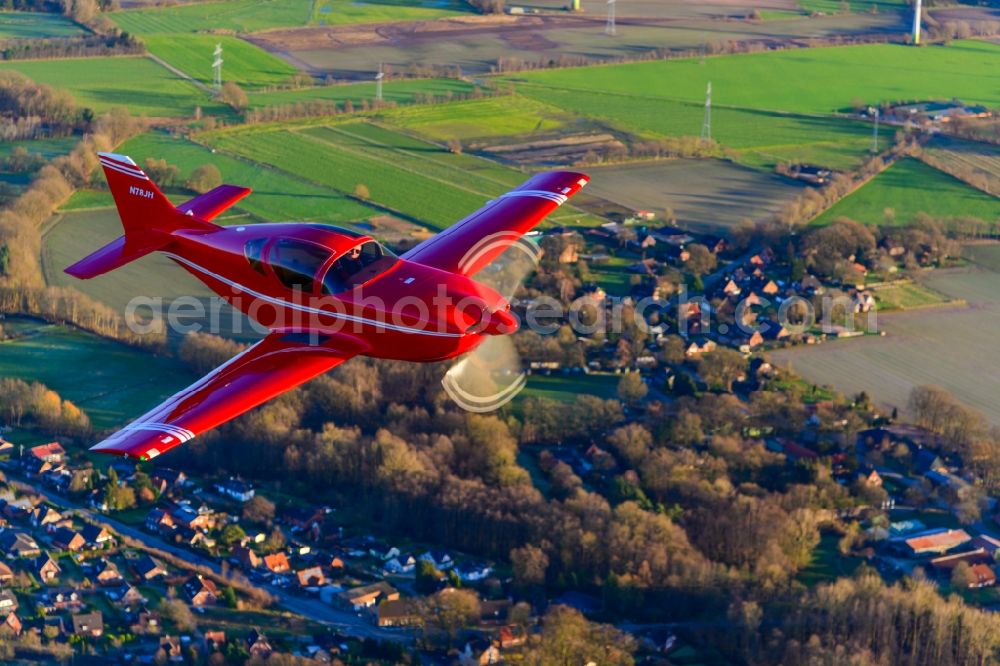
[(875, 133), (217, 68), (706, 125)]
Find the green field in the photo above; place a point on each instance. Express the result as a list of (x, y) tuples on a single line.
[(232, 15), (136, 83), (243, 63), (478, 119), (277, 197), (104, 382), (401, 91), (51, 147), (855, 6), (336, 12), (805, 81), (36, 25), (565, 388), (907, 296), (410, 177), (764, 137), (910, 187)]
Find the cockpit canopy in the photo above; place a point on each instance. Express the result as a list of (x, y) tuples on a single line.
[(309, 267)]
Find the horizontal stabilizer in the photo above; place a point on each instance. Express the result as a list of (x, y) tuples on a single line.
[(115, 254), (211, 204)]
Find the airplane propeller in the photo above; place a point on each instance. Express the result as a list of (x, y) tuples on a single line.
[(491, 375)]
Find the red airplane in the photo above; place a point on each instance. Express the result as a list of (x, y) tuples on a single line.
[(326, 294)]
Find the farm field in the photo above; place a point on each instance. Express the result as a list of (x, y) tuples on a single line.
[(907, 296), (856, 6), (50, 147), (137, 83), (565, 388), (235, 15), (910, 187), (480, 119), (104, 383), (986, 255), (436, 189), (945, 346), (351, 51), (979, 162), (764, 137), (336, 12), (243, 63), (799, 81), (399, 91), (705, 195), (277, 196), (36, 25), (73, 235)]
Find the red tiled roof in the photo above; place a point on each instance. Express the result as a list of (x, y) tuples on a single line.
[(941, 540), (42, 451)]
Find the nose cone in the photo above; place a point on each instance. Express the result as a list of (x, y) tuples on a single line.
[(500, 322)]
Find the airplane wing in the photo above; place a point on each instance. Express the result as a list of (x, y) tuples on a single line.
[(209, 205), (276, 364), (471, 244)]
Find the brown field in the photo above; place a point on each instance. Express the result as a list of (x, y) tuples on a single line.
[(475, 43), (974, 162), (564, 150), (952, 347), (705, 195), (672, 9)]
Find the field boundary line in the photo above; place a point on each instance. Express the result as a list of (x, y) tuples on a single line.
[(184, 75)]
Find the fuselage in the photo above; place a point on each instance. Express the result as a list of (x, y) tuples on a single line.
[(311, 278)]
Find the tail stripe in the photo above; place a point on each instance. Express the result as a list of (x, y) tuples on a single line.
[(115, 167)]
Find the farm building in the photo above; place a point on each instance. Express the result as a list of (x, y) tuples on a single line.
[(937, 541)]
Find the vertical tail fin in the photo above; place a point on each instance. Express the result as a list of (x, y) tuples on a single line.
[(147, 216), (142, 207)]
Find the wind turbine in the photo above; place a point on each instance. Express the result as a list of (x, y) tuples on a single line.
[(609, 29), (378, 83)]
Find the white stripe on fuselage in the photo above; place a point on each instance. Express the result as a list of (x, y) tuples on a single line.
[(304, 308)]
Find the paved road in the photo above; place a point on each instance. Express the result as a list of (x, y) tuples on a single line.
[(344, 621)]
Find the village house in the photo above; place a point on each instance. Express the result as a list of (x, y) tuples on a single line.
[(257, 645), (146, 622), (938, 541), (201, 591), (14, 543), (125, 595), (50, 453), (246, 557), (45, 515), (96, 536), (237, 489), (171, 646), (6, 574), (45, 568), (511, 636), (62, 599), (479, 652), (11, 624), (149, 568), (368, 596), (214, 640), (397, 613), (8, 601), (65, 538), (277, 563), (191, 519), (311, 577), (90, 625), (159, 521)]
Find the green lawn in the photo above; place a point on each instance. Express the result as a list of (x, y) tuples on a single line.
[(808, 81), (855, 6), (565, 388), (105, 381), (907, 296), (48, 148), (277, 196), (243, 63), (401, 91), (766, 136), (334, 12), (235, 15), (827, 563), (136, 83), (323, 158), (478, 119), (36, 25), (910, 187)]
